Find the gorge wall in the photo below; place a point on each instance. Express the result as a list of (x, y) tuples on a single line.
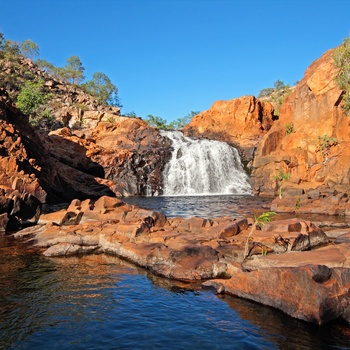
[(305, 148), (121, 158), (316, 150), (99, 152)]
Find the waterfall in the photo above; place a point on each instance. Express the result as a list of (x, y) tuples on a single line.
[(203, 167)]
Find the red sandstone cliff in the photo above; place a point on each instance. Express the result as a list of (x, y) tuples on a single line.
[(317, 151), (308, 145), (121, 158), (26, 165)]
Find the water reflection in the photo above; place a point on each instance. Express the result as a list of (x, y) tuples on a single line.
[(294, 334), (102, 302)]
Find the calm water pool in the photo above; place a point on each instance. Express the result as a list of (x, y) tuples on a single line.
[(101, 302)]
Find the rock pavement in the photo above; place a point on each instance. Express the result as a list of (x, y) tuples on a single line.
[(291, 265)]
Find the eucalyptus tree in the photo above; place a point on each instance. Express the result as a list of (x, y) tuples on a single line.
[(103, 89), (29, 49), (73, 71)]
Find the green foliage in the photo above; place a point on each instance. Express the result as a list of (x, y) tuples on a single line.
[(259, 221), (276, 95), (279, 85), (157, 122), (266, 92), (289, 128), (31, 97), (131, 114), (13, 73), (46, 66), (2, 40), (162, 124), (46, 113), (264, 218), (10, 49), (19, 81), (325, 143), (73, 71), (297, 204), (29, 49), (80, 106), (281, 176), (103, 89), (179, 123), (342, 62)]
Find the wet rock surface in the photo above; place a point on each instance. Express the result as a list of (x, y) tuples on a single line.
[(292, 264)]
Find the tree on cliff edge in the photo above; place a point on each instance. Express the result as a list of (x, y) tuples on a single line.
[(73, 71), (29, 49), (103, 89)]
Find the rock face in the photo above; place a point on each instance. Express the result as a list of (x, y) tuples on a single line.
[(291, 265), (315, 150), (241, 122), (18, 210), (27, 166), (91, 150), (304, 155), (121, 158), (128, 153)]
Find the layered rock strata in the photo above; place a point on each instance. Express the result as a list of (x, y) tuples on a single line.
[(289, 262)]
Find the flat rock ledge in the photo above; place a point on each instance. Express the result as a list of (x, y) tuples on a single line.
[(292, 265)]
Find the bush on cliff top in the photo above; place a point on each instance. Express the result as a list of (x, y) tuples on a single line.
[(276, 95), (342, 61)]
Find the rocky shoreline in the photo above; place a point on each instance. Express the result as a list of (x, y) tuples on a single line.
[(292, 264)]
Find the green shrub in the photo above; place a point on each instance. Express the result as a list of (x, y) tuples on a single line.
[(279, 177), (289, 128), (46, 114), (259, 221), (276, 95), (325, 143), (342, 61), (31, 97)]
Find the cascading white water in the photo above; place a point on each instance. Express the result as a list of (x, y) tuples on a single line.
[(203, 167)]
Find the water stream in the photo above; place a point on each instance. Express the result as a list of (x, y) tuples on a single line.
[(203, 167)]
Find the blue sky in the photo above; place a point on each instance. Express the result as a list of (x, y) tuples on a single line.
[(171, 57)]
